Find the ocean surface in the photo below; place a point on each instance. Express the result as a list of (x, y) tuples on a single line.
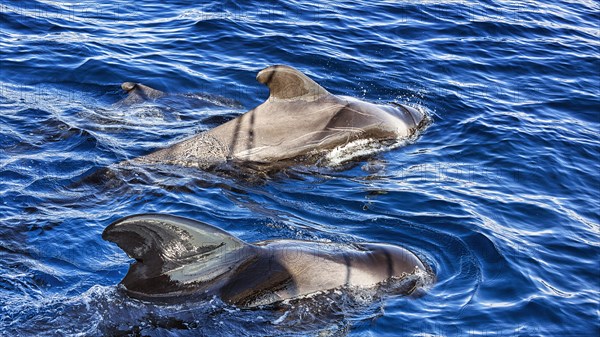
[(499, 194)]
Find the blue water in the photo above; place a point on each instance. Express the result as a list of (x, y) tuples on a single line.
[(500, 194)]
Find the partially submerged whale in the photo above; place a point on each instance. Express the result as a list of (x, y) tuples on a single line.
[(140, 93), (182, 259), (299, 119)]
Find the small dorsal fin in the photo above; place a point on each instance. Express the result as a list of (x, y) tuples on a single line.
[(139, 92), (163, 244), (128, 86), (285, 82)]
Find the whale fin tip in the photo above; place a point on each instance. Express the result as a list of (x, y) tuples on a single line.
[(128, 86), (286, 82)]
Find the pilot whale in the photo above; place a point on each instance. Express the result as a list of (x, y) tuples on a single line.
[(299, 119), (178, 259), (139, 93)]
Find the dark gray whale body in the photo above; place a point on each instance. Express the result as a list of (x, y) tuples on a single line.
[(299, 118), (180, 259)]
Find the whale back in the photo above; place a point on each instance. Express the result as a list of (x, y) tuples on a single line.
[(181, 259), (300, 117), (299, 121), (174, 255)]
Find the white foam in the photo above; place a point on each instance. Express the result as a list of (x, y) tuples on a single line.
[(359, 148), (281, 318)]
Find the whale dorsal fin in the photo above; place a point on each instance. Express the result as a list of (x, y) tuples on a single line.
[(138, 93), (171, 252), (287, 83)]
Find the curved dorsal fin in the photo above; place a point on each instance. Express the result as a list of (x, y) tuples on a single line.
[(163, 244), (138, 93), (285, 82)]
